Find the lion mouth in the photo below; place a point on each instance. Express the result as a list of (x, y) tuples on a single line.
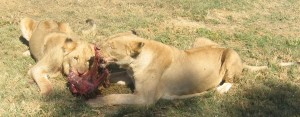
[(88, 83), (75, 72)]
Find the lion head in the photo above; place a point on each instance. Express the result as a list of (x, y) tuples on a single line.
[(118, 49), (57, 40), (78, 56)]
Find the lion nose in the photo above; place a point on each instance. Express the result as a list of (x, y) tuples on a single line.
[(80, 72)]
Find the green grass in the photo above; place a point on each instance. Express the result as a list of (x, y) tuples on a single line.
[(263, 33)]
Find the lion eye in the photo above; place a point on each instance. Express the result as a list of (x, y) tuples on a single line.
[(110, 47), (76, 58)]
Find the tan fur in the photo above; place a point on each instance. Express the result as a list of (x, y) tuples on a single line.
[(162, 71), (55, 49), (202, 42)]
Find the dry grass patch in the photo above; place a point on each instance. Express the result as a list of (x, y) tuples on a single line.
[(182, 25)]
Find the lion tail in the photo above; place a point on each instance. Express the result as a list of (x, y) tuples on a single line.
[(92, 30), (257, 68), (284, 64), (254, 68)]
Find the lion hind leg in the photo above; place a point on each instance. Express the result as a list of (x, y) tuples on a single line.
[(202, 42), (231, 68), (232, 65)]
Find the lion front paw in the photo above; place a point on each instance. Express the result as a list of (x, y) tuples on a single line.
[(46, 90), (45, 86), (95, 102)]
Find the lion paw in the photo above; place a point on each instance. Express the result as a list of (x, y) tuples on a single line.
[(94, 103), (121, 82), (46, 91), (26, 53), (224, 88), (45, 86)]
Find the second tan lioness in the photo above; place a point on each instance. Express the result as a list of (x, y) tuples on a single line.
[(55, 50), (162, 71)]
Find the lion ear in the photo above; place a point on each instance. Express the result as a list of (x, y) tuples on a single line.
[(69, 45), (136, 48), (27, 26), (64, 27)]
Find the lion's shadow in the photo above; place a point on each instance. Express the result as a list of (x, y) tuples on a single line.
[(270, 98)]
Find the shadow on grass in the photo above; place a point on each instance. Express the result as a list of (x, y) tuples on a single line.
[(185, 107), (24, 41), (272, 98), (262, 98), (62, 103), (269, 98)]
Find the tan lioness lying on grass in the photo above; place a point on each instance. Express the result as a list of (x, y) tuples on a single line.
[(162, 71), (56, 51)]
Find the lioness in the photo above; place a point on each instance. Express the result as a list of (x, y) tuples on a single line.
[(56, 50), (162, 71)]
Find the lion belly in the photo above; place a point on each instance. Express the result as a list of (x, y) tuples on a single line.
[(196, 73)]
